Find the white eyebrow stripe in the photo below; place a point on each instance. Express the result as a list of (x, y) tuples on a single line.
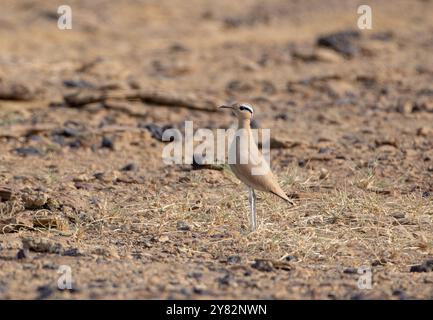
[(247, 107)]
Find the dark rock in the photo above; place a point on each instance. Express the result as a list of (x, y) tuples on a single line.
[(178, 47), (225, 280), (107, 143), (82, 84), (130, 167), (282, 116), (22, 254), (400, 293), (183, 226), (67, 132), (28, 151), (302, 162), (357, 296), (341, 42), (262, 265), (155, 130), (234, 259), (239, 86), (75, 144), (426, 266), (50, 266), (5, 194), (16, 91), (232, 22), (350, 271), (44, 292), (195, 275), (290, 258), (325, 150), (60, 140), (41, 245), (72, 252), (99, 175), (383, 36), (33, 198)]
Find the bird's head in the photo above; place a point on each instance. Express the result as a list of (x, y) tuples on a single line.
[(241, 110)]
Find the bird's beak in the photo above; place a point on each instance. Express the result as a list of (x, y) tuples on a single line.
[(225, 107)]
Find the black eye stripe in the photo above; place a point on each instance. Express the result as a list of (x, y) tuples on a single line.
[(246, 108)]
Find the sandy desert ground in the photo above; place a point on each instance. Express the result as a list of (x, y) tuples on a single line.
[(82, 182)]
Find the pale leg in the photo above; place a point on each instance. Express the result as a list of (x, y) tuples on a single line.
[(252, 200)]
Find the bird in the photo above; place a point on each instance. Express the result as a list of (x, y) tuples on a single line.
[(264, 180)]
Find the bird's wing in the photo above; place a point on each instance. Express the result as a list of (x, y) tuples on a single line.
[(257, 173)]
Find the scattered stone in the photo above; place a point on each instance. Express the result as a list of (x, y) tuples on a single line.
[(73, 252), (426, 194), (52, 204), (130, 167), (399, 215), (302, 162), (310, 54), (350, 271), (5, 194), (341, 42), (405, 107), (28, 151), (225, 280), (323, 173), (22, 254), (326, 55), (66, 132), (41, 245), (426, 266), (83, 186), (263, 265), (424, 132), (183, 226), (75, 144), (82, 84), (16, 91), (105, 252), (383, 36), (282, 116), (33, 199), (107, 143), (386, 141), (276, 143), (81, 178), (234, 259), (155, 130), (290, 257), (401, 294), (195, 275), (163, 239), (281, 265), (44, 292), (108, 176)]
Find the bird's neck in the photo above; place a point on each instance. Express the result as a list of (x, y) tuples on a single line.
[(244, 124)]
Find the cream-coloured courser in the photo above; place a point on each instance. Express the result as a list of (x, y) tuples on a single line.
[(252, 170)]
